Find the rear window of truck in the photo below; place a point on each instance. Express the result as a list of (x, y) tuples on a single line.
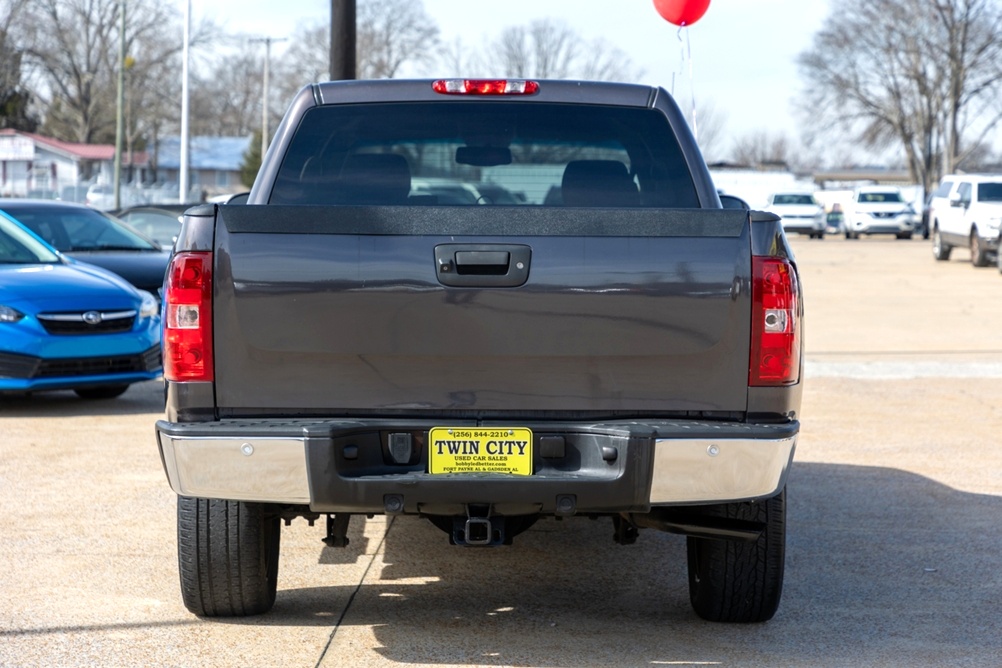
[(471, 153)]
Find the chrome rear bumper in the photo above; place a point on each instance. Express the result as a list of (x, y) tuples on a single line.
[(307, 465)]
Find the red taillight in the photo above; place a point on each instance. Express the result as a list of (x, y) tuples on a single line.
[(187, 340), (485, 87), (775, 335)]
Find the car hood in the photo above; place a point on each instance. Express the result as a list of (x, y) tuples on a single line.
[(799, 210), (881, 207), (39, 288), (144, 269)]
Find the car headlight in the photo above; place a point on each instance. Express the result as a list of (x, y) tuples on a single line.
[(7, 314), (149, 306)]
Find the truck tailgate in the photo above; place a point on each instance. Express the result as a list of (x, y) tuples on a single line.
[(344, 310)]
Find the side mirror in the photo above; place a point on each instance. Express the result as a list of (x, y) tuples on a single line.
[(733, 202), (955, 200)]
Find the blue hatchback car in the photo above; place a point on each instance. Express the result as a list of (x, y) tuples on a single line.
[(69, 325)]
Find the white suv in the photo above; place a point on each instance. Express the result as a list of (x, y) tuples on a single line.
[(800, 213), (967, 211), (879, 210)]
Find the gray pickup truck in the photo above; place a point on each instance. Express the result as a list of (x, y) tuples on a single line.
[(485, 303)]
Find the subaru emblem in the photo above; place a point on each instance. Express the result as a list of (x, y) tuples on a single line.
[(92, 317)]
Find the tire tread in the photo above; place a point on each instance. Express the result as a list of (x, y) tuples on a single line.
[(737, 581), (227, 557)]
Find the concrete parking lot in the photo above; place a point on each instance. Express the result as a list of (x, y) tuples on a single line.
[(895, 528)]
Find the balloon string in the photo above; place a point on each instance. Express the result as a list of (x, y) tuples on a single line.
[(692, 87), (681, 60), (685, 56)]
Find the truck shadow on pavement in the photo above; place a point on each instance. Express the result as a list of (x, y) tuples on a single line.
[(883, 567)]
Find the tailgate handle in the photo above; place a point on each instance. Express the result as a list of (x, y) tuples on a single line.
[(482, 265), (482, 262)]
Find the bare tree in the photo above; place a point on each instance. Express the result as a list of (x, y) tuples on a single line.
[(73, 43), (925, 75), (391, 33), (550, 49), (15, 98), (762, 148), (226, 97), (973, 52), (458, 59), (710, 124), (307, 60), (74, 52)]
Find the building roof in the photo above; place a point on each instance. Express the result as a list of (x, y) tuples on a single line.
[(100, 152), (211, 153)]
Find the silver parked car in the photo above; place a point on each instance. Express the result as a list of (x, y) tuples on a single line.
[(800, 212), (879, 210)]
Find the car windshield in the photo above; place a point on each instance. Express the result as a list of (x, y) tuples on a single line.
[(472, 153), (990, 192), (78, 228), (18, 246), (880, 197), (794, 199), (161, 226)]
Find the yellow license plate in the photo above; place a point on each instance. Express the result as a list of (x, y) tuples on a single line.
[(480, 450)]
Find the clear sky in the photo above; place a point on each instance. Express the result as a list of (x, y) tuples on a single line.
[(743, 52)]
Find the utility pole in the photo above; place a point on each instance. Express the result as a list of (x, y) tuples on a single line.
[(264, 96), (120, 107), (182, 189), (343, 63)]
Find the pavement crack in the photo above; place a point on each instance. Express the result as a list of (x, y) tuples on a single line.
[(351, 599)]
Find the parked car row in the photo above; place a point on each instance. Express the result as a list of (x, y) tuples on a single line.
[(92, 236), (80, 294), (870, 210), (69, 324)]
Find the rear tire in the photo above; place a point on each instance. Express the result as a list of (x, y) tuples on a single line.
[(940, 249), (737, 581), (105, 392), (227, 553)]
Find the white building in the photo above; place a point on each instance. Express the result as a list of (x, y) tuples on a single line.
[(35, 166)]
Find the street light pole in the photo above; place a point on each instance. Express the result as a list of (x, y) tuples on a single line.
[(120, 107), (264, 96), (343, 32), (182, 189)]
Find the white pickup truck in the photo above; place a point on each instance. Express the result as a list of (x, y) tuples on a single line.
[(967, 211)]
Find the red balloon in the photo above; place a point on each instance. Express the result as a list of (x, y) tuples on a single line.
[(681, 12)]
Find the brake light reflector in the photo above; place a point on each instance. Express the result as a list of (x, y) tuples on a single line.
[(485, 87), (775, 336), (187, 338)]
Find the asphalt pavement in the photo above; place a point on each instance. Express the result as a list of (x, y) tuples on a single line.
[(894, 551)]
